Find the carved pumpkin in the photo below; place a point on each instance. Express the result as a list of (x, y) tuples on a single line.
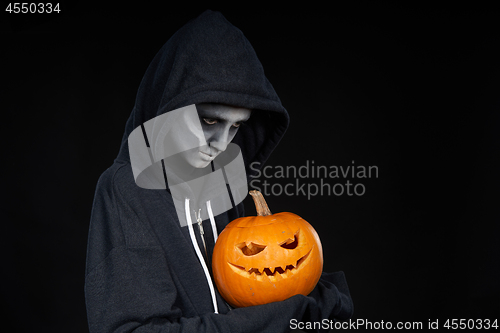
[(266, 258)]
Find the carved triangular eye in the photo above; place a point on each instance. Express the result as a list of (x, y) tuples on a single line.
[(291, 243), (251, 249)]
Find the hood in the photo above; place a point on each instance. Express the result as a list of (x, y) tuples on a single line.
[(209, 60)]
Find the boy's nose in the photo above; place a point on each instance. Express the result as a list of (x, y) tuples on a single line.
[(220, 140)]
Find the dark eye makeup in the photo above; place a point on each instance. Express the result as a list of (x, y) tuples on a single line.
[(213, 121)]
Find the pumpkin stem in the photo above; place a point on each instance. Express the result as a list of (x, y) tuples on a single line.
[(260, 203)]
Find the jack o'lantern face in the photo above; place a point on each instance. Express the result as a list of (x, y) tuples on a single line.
[(274, 260), (259, 260)]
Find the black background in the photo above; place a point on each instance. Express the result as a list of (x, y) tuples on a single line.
[(413, 90)]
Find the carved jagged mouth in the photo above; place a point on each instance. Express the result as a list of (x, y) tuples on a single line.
[(272, 273)]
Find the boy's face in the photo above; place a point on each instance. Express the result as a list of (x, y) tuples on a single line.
[(219, 125)]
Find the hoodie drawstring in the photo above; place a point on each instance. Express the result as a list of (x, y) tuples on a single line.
[(198, 251)]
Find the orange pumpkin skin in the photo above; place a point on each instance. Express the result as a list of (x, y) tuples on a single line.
[(247, 273)]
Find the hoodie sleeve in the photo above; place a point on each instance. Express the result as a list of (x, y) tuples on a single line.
[(330, 298), (124, 294), (128, 288)]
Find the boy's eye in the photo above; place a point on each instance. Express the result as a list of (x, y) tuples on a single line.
[(210, 121)]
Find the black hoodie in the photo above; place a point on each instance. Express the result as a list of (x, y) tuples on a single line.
[(142, 273)]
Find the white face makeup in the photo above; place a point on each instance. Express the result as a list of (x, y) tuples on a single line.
[(187, 139), (182, 145), (219, 124)]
